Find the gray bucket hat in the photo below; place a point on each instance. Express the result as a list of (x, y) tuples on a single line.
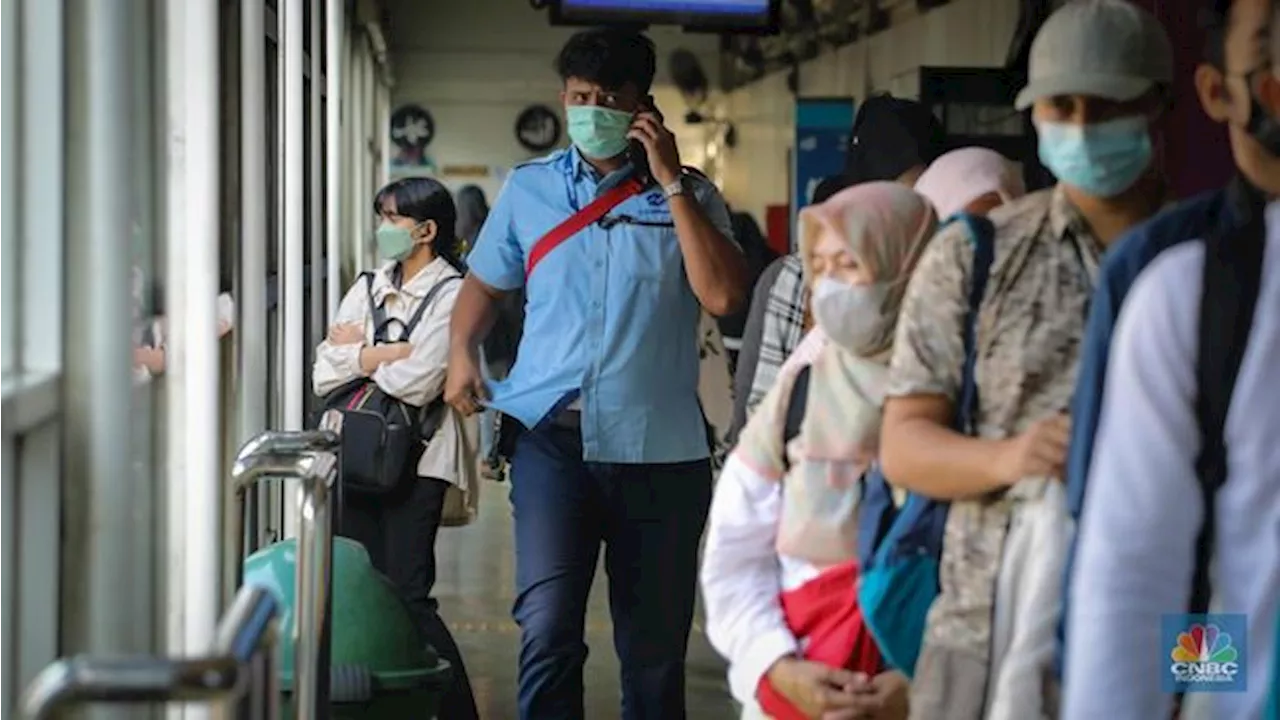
[(1110, 49)]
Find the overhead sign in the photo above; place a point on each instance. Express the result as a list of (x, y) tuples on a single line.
[(821, 144)]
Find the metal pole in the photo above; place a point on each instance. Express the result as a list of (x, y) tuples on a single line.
[(193, 215), (98, 444), (335, 60), (251, 325), (316, 299), (356, 155), (291, 266), (382, 127), (315, 555)]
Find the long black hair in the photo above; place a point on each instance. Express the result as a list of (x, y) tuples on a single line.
[(422, 199)]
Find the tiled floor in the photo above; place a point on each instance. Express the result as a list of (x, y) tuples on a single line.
[(474, 587)]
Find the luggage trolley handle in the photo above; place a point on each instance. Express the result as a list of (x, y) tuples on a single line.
[(309, 457), (240, 667)]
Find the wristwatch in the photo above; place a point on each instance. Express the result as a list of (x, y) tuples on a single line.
[(674, 188)]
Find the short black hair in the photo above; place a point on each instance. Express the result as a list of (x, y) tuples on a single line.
[(1215, 15), (829, 186), (610, 58), (422, 199)]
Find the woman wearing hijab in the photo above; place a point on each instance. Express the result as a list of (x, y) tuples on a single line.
[(974, 180), (891, 139), (779, 568)]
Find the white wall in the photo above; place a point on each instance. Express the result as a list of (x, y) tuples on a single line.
[(962, 33), (475, 65)]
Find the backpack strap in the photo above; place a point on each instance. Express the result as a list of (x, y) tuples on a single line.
[(796, 404), (426, 301), (982, 237), (1231, 281), (376, 313)]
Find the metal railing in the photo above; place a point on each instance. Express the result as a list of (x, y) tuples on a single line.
[(310, 457), (239, 669)]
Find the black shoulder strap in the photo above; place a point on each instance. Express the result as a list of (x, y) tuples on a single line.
[(376, 314), (796, 404), (1231, 281), (426, 301)]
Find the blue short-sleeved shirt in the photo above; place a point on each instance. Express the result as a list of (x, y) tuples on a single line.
[(609, 312)]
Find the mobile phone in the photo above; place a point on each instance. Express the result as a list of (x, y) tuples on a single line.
[(636, 153)]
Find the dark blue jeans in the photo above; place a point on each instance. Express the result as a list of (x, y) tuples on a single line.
[(650, 519)]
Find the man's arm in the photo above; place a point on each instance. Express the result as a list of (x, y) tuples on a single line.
[(1143, 508), (919, 449), (474, 313), (716, 268), (496, 266)]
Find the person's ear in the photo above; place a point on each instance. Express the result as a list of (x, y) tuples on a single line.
[(427, 231), (1212, 89)]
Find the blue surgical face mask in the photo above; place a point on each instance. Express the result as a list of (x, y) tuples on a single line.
[(1103, 159), (600, 133)]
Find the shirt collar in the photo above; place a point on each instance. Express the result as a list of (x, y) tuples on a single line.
[(1065, 220), (416, 287), (580, 168)]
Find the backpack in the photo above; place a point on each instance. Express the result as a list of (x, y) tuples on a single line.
[(382, 436), (900, 548)]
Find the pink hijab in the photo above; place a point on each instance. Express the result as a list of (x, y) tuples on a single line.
[(961, 176)]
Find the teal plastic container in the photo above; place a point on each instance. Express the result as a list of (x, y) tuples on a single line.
[(382, 666)]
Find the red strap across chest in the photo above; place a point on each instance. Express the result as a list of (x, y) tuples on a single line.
[(597, 209)]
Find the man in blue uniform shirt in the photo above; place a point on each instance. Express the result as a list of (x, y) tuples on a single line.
[(613, 448)]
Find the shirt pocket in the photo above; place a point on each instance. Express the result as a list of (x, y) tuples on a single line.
[(645, 247)]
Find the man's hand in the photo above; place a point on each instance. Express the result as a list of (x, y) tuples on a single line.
[(346, 334), (659, 145), (815, 689), (1040, 451), (464, 386)]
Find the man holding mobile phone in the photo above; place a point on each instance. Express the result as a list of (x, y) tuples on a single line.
[(616, 264)]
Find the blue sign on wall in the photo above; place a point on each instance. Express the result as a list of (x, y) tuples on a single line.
[(822, 141)]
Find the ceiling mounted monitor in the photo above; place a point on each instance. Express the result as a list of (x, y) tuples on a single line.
[(731, 16)]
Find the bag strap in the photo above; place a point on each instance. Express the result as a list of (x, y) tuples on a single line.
[(982, 237), (576, 222), (426, 301), (376, 313), (1231, 281), (796, 404)]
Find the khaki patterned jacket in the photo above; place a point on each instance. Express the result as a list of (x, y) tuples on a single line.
[(1030, 328)]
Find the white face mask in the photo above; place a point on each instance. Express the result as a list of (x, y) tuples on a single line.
[(849, 314)]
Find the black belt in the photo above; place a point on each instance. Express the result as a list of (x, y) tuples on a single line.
[(570, 419)]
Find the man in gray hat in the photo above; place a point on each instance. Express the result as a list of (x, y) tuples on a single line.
[(1099, 74)]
